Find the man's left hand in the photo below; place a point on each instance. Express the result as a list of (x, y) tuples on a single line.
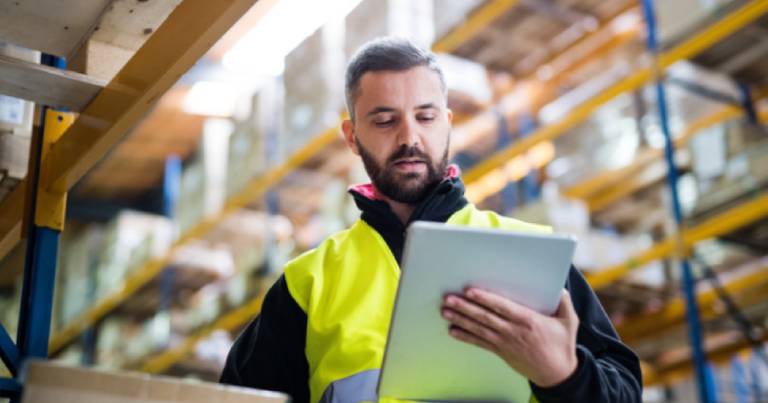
[(542, 348)]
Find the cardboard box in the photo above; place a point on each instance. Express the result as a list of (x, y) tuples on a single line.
[(678, 18), (411, 19), (16, 114), (449, 14), (46, 382), (314, 87)]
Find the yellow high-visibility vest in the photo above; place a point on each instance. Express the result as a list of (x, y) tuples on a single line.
[(347, 287)]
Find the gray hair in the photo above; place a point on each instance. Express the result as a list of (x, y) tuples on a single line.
[(386, 54)]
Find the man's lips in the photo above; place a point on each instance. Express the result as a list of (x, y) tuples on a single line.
[(410, 165), (409, 162)]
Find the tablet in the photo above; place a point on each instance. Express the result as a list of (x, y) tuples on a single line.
[(422, 361)]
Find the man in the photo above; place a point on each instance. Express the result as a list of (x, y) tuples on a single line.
[(323, 327)]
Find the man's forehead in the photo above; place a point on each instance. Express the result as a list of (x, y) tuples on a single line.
[(417, 79), (419, 84), (418, 74)]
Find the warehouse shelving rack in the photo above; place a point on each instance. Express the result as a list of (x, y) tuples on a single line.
[(251, 192), (723, 223), (689, 48), (697, 43), (68, 144), (704, 379)]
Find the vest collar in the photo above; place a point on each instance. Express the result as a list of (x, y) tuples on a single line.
[(446, 199)]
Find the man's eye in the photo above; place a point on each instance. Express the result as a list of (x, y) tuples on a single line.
[(426, 118), (384, 123)]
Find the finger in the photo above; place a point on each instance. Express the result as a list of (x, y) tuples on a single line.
[(502, 306), (468, 324), (476, 312), (565, 309), (468, 337)]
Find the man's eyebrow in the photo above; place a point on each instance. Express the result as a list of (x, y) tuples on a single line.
[(428, 105), (380, 109)]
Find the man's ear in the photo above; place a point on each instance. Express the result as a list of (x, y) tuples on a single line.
[(449, 114), (348, 127)]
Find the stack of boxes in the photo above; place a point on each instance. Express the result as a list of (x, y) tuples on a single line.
[(15, 127), (412, 19), (314, 87), (95, 261), (204, 176), (728, 161), (253, 144)]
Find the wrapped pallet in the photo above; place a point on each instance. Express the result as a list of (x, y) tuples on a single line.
[(410, 19), (130, 240), (191, 206), (449, 14), (314, 87), (677, 19), (215, 149), (75, 282), (253, 145)]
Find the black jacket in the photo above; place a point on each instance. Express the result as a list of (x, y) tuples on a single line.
[(269, 354)]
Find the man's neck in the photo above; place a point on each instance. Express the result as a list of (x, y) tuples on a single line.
[(403, 211)]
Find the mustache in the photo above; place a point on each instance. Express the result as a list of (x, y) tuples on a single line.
[(408, 152)]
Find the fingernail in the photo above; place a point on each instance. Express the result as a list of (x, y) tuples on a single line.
[(471, 293), (447, 314), (450, 301)]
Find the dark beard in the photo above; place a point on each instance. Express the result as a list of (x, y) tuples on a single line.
[(410, 188)]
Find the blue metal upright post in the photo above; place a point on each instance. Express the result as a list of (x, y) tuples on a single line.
[(43, 225), (756, 360), (509, 194), (531, 185), (171, 190), (739, 381), (171, 185), (40, 265), (748, 104), (703, 376)]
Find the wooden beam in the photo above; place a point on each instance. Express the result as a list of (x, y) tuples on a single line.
[(697, 43), (728, 221), (185, 36), (228, 322), (47, 85), (594, 188), (12, 208), (673, 313), (476, 21), (716, 354), (121, 31)]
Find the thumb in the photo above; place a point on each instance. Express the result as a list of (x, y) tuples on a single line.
[(565, 310)]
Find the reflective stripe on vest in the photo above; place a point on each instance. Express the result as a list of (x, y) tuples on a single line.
[(347, 286)]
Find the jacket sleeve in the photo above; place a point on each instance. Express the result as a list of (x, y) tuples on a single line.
[(269, 353), (608, 371)]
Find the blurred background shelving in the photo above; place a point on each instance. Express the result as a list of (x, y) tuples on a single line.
[(222, 162)]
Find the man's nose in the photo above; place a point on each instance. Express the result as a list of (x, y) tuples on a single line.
[(409, 133)]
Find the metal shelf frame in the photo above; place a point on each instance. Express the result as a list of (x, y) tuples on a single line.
[(255, 189), (696, 44), (45, 215), (66, 146), (704, 379)]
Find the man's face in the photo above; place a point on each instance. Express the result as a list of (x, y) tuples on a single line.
[(401, 132)]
